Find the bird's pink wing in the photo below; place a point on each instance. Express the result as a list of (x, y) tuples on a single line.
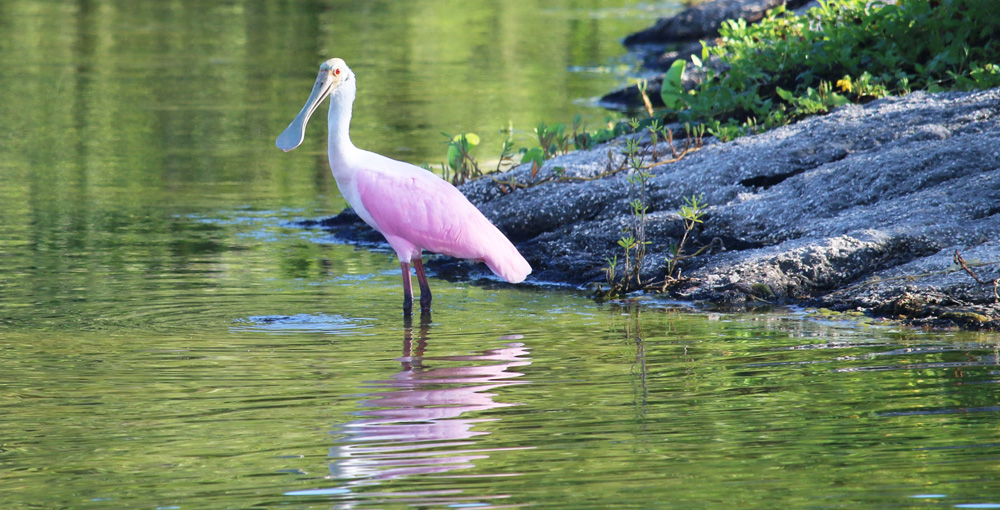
[(417, 210)]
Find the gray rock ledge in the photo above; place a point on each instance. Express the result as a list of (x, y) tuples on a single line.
[(860, 209)]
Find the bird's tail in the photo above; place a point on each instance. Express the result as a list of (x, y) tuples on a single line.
[(508, 264)]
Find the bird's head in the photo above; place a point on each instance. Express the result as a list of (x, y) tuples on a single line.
[(333, 76)]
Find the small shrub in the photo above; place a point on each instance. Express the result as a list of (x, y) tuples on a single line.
[(461, 164), (788, 66)]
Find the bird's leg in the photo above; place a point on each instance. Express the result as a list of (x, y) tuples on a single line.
[(425, 288), (407, 289)]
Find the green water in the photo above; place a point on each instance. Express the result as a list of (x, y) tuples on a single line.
[(169, 340)]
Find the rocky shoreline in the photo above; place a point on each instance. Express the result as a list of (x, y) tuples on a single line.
[(891, 209), (862, 209)]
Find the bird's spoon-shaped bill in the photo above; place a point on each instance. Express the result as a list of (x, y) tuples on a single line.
[(293, 135)]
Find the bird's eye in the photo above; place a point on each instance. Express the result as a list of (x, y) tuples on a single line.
[(336, 72)]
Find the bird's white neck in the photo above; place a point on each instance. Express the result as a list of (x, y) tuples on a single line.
[(339, 119)]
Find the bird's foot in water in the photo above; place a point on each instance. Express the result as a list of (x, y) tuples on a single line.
[(425, 308)]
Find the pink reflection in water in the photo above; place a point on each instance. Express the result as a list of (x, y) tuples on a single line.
[(419, 424)]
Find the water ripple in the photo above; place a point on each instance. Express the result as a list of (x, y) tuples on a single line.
[(425, 421), (303, 323)]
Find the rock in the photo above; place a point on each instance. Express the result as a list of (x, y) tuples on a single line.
[(702, 20), (863, 208)]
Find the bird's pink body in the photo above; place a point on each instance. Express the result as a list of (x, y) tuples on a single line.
[(416, 210), (413, 208)]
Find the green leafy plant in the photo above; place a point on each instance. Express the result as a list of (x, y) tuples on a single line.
[(724, 132), (813, 100), (461, 164), (692, 213), (506, 159), (611, 272), (582, 140), (552, 139), (672, 90), (633, 241), (655, 128), (535, 156), (786, 66)]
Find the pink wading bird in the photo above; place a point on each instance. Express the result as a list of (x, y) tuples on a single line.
[(414, 209)]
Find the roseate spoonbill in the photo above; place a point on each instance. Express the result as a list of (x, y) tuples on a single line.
[(413, 208)]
